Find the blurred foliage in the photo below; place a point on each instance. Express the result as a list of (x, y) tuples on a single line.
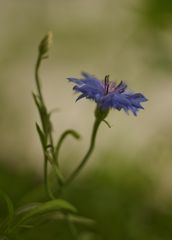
[(158, 14), (120, 199), (153, 33)]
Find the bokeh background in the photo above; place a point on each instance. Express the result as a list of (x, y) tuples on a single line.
[(127, 184)]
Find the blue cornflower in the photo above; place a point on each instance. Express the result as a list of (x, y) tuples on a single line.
[(108, 94)]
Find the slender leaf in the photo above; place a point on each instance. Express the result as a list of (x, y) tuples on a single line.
[(36, 100), (66, 133), (41, 136), (44, 116), (9, 205), (74, 218), (43, 208), (26, 208)]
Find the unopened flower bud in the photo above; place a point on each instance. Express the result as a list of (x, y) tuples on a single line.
[(45, 44)]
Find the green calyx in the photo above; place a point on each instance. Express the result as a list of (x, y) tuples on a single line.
[(100, 113)]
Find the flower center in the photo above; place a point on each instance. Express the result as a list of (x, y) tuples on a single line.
[(109, 86)]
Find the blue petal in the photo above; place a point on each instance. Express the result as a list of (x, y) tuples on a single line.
[(75, 80), (89, 92), (121, 87), (90, 87), (91, 80), (123, 101), (137, 96), (136, 99)]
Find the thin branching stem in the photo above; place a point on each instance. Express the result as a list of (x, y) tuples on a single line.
[(48, 190), (38, 63), (46, 183)]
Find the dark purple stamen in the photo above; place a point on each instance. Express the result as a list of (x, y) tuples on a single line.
[(106, 84)]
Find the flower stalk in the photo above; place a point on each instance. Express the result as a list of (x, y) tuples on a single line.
[(100, 115)]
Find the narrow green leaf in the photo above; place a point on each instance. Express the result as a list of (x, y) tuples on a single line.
[(41, 136), (45, 119), (26, 226), (82, 220), (35, 97), (75, 219), (26, 208), (66, 133), (43, 208), (42, 113), (9, 205)]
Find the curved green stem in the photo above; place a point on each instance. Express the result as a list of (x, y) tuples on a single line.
[(89, 152), (47, 187), (100, 115), (38, 63), (58, 173), (61, 140)]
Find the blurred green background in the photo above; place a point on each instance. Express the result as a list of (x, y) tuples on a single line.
[(127, 184)]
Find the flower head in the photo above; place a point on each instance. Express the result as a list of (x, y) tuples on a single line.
[(108, 94)]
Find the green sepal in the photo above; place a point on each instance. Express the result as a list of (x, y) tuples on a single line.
[(106, 122), (100, 113)]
